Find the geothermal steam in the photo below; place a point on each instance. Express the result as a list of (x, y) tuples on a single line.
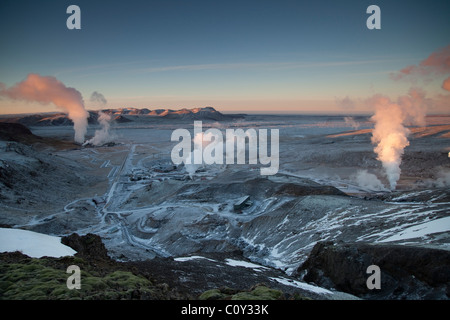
[(437, 64), (45, 90), (390, 134), (103, 135), (368, 180), (201, 140)]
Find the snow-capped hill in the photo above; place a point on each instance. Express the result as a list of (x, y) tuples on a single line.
[(202, 113), (130, 111), (122, 115), (205, 109), (207, 113)]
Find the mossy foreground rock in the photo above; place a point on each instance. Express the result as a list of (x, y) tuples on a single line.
[(25, 278), (258, 292), (35, 279)]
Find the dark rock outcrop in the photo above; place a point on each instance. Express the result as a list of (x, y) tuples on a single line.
[(89, 246), (302, 190), (406, 272), (16, 132)]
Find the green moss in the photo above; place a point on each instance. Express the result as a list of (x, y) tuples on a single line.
[(126, 279), (90, 284), (213, 294), (245, 296), (300, 297), (259, 293), (265, 293), (29, 281), (31, 268), (42, 279), (76, 260)]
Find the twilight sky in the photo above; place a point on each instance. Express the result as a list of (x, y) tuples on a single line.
[(248, 56)]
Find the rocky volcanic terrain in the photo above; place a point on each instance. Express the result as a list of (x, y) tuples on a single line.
[(308, 232)]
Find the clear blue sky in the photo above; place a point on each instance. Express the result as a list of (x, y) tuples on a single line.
[(293, 56)]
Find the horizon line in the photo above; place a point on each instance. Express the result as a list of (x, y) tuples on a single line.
[(230, 112)]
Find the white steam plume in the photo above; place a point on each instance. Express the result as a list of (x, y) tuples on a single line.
[(45, 90), (97, 97), (368, 180), (103, 135), (351, 122), (390, 134), (201, 140)]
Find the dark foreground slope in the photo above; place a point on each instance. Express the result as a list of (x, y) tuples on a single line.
[(22, 277), (406, 272)]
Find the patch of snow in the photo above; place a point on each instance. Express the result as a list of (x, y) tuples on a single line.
[(240, 263), (423, 229), (183, 259), (302, 285), (33, 244)]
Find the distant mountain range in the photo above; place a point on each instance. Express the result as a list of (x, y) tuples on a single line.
[(123, 115)]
